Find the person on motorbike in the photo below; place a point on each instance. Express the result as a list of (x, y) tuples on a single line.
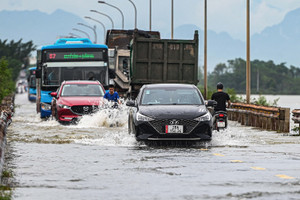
[(221, 98), (111, 95)]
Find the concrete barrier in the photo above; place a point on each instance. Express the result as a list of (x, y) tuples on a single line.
[(267, 118), (6, 112)]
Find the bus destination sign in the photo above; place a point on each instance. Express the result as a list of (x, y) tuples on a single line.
[(68, 56)]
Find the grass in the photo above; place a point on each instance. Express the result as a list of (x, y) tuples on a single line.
[(6, 190), (7, 174)]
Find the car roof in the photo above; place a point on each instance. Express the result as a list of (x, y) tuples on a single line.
[(169, 85), (81, 82)]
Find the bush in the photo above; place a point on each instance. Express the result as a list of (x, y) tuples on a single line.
[(7, 85)]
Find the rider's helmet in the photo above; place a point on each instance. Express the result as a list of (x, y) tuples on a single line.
[(220, 85)]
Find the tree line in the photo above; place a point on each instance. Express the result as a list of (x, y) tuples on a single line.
[(13, 56), (266, 77)]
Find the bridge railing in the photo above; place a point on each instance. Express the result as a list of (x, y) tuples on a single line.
[(296, 117), (6, 112), (267, 118)]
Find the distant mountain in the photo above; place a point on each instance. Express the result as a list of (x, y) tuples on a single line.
[(34, 25), (280, 42), (220, 46)]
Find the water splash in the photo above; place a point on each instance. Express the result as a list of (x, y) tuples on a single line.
[(106, 117)]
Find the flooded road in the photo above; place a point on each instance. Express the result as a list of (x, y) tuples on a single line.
[(97, 160)]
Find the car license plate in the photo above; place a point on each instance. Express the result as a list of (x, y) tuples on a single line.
[(174, 129), (221, 124)]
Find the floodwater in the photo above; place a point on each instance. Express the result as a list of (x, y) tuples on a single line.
[(98, 160)]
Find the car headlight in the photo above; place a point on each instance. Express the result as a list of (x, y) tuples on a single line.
[(206, 117), (64, 106), (140, 117), (45, 106)]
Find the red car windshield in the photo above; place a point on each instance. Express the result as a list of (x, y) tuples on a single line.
[(92, 90)]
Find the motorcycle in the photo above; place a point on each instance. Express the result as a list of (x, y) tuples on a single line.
[(220, 120)]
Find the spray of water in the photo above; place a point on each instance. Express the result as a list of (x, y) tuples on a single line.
[(107, 116)]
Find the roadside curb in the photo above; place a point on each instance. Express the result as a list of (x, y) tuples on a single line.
[(6, 113)]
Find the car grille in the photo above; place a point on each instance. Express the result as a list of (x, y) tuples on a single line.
[(188, 125), (83, 110)]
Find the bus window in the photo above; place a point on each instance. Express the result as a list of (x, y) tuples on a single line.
[(51, 76)]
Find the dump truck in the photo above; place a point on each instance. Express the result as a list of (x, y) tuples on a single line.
[(142, 57)]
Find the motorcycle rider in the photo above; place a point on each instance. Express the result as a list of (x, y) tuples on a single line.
[(221, 98), (111, 95)]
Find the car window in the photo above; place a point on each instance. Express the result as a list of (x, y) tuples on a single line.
[(82, 90), (173, 96)]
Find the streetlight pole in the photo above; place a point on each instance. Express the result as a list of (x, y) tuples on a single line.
[(87, 35), (135, 15), (172, 19), (93, 28), (112, 22), (205, 49), (104, 30), (103, 2), (248, 68), (150, 14)]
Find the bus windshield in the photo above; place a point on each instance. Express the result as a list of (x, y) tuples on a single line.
[(53, 76), (32, 81), (64, 64)]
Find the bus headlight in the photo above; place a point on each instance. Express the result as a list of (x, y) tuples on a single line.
[(206, 117), (45, 106), (64, 106)]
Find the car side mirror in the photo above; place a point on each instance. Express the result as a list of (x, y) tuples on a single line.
[(130, 103), (211, 103), (53, 94)]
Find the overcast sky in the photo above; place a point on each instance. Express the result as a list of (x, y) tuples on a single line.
[(223, 15)]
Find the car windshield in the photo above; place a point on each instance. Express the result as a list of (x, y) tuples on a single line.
[(82, 90), (171, 96)]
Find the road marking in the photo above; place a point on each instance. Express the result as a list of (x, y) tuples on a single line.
[(236, 161), (285, 176), (258, 168), (218, 154), (203, 149)]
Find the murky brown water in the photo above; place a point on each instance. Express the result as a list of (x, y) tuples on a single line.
[(96, 161)]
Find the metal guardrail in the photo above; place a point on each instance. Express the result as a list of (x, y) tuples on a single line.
[(6, 112), (268, 118)]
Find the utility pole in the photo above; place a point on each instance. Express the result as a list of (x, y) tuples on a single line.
[(103, 26), (248, 67), (150, 15), (103, 2), (257, 81), (205, 49), (135, 14), (172, 19)]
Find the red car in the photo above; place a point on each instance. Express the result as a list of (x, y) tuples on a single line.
[(76, 98)]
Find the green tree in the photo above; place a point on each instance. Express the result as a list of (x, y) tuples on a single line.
[(6, 84), (266, 77), (16, 53)]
